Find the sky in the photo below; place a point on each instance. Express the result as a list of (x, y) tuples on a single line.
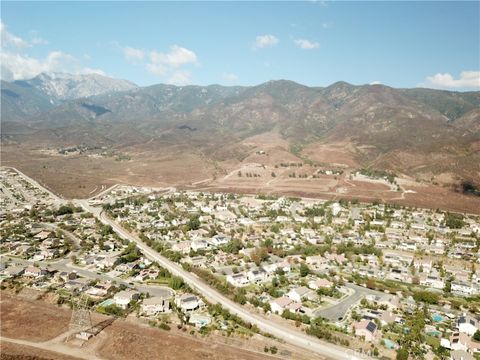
[(316, 43)]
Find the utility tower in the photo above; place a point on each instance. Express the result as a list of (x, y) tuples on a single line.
[(81, 319)]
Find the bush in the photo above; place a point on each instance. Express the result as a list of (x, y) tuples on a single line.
[(64, 210), (427, 297), (164, 326)]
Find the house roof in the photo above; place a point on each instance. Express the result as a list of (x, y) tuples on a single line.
[(365, 325), (282, 301)]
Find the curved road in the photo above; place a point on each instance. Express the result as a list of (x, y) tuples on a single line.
[(285, 333)]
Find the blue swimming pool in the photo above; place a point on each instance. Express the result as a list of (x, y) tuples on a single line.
[(107, 302), (437, 317), (389, 344)]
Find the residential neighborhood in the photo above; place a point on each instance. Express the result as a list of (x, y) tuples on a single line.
[(374, 277)]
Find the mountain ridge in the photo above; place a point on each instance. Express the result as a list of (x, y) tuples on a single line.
[(390, 122)]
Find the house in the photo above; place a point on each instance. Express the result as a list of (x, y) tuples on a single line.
[(433, 281), (467, 324), (462, 288), (76, 285), (278, 305), (299, 293), (256, 275), (33, 271), (387, 317), (200, 320), (155, 305), (99, 290), (199, 245), (219, 240), (183, 247), (460, 355), (459, 341), (66, 276), (188, 302), (123, 298), (366, 329), (238, 280), (320, 283)]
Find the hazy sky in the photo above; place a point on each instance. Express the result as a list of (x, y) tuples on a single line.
[(401, 44)]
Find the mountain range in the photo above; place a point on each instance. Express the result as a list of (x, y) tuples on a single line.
[(411, 131)]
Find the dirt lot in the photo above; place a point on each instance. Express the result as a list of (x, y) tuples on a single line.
[(124, 340), (31, 320), (10, 351), (81, 176)]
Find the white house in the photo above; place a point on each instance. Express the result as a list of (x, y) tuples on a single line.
[(463, 288), (279, 305), (188, 302), (467, 324), (123, 298), (319, 283), (298, 293), (256, 275), (156, 305), (238, 280)]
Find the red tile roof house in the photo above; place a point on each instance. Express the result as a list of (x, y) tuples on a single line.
[(366, 329)]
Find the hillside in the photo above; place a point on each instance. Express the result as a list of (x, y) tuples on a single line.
[(422, 133)]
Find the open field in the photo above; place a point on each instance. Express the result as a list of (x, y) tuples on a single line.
[(31, 320), (13, 351), (83, 176)]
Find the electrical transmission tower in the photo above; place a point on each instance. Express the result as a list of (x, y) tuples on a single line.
[(81, 319)]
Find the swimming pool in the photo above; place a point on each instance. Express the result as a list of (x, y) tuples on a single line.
[(437, 317), (389, 344), (106, 303)]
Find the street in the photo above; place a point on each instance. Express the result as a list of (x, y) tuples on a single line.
[(285, 333)]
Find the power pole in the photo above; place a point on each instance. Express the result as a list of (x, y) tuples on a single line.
[(81, 319)]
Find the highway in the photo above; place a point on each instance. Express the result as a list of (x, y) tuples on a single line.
[(323, 349)]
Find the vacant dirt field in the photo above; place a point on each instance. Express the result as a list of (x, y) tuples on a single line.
[(125, 339), (10, 351), (31, 320), (340, 154), (82, 176)]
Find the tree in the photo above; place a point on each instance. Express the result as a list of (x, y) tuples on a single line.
[(106, 230), (176, 282), (454, 221), (427, 297), (64, 210), (402, 354), (304, 270), (193, 223), (476, 336)]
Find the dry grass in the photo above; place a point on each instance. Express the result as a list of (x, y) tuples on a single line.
[(31, 320)]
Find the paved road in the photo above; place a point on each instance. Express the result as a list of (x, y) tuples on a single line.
[(64, 265), (289, 335), (337, 312)]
